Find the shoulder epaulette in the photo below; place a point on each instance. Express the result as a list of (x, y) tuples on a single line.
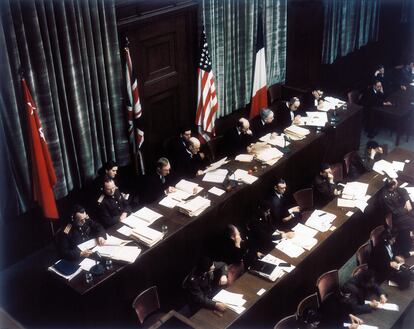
[(101, 198), (67, 229)]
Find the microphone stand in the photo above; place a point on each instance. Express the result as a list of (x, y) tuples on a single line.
[(286, 148)]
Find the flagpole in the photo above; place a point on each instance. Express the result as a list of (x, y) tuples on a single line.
[(52, 228)]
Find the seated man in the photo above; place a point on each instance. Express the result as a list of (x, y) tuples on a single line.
[(80, 229), (387, 264), (284, 213), (178, 145), (203, 283), (373, 153), (396, 201), (288, 113), (407, 74), (264, 123), (313, 100), (324, 187), (190, 162), (158, 183), (112, 206), (360, 288), (238, 139)]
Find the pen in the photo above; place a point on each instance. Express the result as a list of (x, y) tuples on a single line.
[(323, 214)]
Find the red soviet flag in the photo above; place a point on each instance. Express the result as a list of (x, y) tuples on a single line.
[(43, 172)]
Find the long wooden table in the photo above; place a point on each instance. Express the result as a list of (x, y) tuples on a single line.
[(333, 249), (168, 262)]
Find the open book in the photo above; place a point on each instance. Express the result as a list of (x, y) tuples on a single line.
[(296, 132), (185, 189), (195, 206), (144, 216)]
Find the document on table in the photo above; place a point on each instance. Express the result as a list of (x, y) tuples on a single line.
[(346, 203), (303, 241), (244, 157), (361, 326), (216, 191), (87, 244), (269, 258), (216, 176), (269, 154), (216, 165), (169, 202), (244, 176), (320, 220), (275, 140), (188, 187), (384, 167), (386, 306), (301, 229), (398, 165), (86, 264), (233, 301), (125, 230), (355, 190), (290, 249), (144, 216)]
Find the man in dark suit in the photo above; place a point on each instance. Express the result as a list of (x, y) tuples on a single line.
[(264, 123), (284, 214), (313, 100), (288, 113), (407, 74), (396, 201), (238, 139), (324, 187), (373, 153), (190, 162), (80, 229), (159, 183), (112, 206)]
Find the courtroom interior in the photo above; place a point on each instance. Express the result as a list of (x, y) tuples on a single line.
[(207, 164)]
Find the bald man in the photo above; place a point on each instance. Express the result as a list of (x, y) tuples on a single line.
[(238, 138), (190, 162)]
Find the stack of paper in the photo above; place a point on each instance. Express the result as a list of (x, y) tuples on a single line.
[(269, 258), (144, 216), (147, 235), (275, 140), (216, 165), (303, 230), (269, 154), (303, 241), (331, 102), (195, 206), (123, 253), (233, 301), (296, 132), (169, 202), (355, 191), (320, 220), (244, 158), (216, 176), (398, 165), (384, 167), (243, 176), (67, 270), (185, 189), (289, 248)]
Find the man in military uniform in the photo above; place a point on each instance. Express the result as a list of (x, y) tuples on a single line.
[(203, 282), (112, 206), (80, 229), (396, 201)]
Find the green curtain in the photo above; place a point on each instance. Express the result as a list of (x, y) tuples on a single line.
[(231, 27), (348, 25), (69, 53)]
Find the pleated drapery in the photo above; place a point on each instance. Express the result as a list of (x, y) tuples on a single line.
[(69, 53), (348, 25), (231, 27)]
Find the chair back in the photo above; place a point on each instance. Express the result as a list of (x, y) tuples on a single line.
[(275, 92), (375, 235), (363, 253), (146, 303), (359, 269), (384, 148), (213, 148), (388, 220), (349, 158), (289, 322), (304, 198), (326, 284), (308, 303), (338, 171), (354, 96)]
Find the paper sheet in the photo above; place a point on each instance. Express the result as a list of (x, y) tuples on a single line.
[(216, 165), (303, 230), (349, 213), (125, 230), (87, 244), (216, 176), (275, 140), (168, 202), (361, 326), (386, 306), (244, 158), (244, 176), (398, 165), (86, 264), (216, 191), (290, 249)]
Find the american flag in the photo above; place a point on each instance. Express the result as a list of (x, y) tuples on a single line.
[(135, 134), (207, 103)]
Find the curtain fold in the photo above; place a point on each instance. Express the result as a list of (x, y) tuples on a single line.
[(69, 53), (231, 27), (348, 25)]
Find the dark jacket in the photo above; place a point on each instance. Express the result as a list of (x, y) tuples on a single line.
[(380, 260), (259, 129), (283, 118), (393, 202), (369, 163), (236, 143), (154, 187), (72, 235), (188, 164), (260, 232), (279, 209), (201, 287), (110, 208), (372, 99), (323, 191)]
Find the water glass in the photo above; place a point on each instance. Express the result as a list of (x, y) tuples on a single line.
[(88, 277), (164, 229), (108, 264)]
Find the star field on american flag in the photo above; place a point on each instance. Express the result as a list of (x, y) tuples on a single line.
[(205, 60)]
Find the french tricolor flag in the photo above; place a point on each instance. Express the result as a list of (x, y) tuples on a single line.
[(259, 93)]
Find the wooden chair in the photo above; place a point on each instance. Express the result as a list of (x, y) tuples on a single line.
[(351, 158), (288, 322), (359, 269), (308, 303), (146, 305), (214, 147), (375, 235), (327, 284), (304, 198), (338, 171), (363, 253)]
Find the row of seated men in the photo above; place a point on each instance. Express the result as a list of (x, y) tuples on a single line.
[(383, 85)]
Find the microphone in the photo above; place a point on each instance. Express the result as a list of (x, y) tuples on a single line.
[(98, 268)]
